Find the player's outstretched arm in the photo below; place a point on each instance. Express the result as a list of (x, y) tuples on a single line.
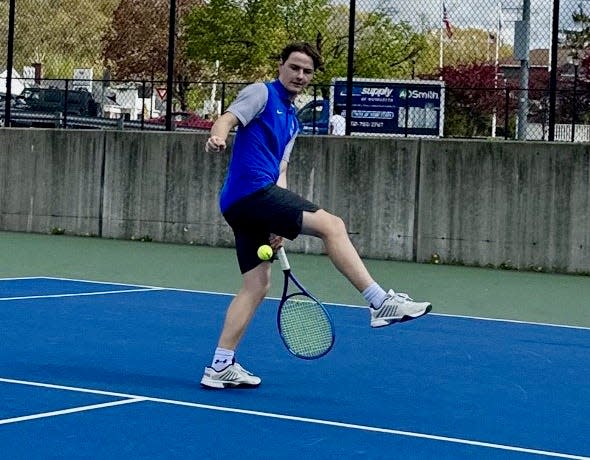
[(219, 132)]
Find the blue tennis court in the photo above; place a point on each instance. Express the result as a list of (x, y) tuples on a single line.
[(106, 370)]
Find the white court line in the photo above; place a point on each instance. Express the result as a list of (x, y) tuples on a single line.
[(16, 278), (477, 318), (71, 410), (136, 398), (159, 288), (78, 280), (79, 294)]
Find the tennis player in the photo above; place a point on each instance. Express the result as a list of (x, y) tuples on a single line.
[(261, 210)]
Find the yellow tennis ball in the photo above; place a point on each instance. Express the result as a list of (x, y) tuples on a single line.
[(264, 252)]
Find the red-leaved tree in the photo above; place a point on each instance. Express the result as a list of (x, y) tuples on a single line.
[(136, 46)]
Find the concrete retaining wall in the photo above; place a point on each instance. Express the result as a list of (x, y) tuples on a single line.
[(522, 205), (50, 178)]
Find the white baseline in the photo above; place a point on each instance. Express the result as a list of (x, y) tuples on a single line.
[(159, 288), (136, 398)]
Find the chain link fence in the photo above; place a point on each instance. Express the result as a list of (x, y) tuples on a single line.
[(477, 69)]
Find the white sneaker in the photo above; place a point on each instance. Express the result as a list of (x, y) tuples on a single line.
[(232, 376), (397, 308)]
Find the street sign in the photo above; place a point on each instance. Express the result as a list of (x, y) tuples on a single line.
[(161, 93)]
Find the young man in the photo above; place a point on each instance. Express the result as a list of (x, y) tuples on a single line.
[(337, 126), (257, 205)]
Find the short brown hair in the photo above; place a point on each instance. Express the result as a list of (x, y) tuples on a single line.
[(305, 48)]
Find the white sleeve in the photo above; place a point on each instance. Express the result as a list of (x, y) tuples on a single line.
[(249, 103), (289, 149)]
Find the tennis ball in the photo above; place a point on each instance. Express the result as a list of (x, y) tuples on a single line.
[(265, 252)]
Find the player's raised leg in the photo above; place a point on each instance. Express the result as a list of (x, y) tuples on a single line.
[(386, 307)]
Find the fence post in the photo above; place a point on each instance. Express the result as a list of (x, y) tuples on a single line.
[(9, 62), (66, 93), (506, 108), (143, 89), (170, 81), (575, 106)]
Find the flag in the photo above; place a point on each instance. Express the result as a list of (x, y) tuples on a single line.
[(447, 22)]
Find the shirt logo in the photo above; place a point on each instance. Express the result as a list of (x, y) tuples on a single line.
[(279, 112)]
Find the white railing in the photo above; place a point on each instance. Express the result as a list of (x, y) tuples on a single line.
[(563, 132)]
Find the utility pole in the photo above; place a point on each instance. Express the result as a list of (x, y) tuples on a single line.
[(522, 32)]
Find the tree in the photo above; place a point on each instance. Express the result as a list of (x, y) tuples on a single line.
[(136, 45), (61, 36), (467, 46), (247, 35), (578, 41), (470, 99), (243, 36)]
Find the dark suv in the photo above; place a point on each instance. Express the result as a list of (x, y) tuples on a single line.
[(53, 100)]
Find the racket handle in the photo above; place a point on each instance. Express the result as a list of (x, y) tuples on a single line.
[(282, 256)]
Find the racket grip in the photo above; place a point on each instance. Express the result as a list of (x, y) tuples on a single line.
[(282, 256)]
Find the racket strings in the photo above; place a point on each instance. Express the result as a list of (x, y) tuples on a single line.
[(305, 327)]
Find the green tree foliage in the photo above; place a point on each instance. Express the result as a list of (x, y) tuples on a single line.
[(579, 38), (61, 35), (467, 46), (243, 36), (246, 36), (384, 49), (578, 41)]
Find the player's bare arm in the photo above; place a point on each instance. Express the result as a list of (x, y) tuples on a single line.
[(219, 132), (282, 180)]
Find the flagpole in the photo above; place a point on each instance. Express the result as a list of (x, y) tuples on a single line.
[(440, 51)]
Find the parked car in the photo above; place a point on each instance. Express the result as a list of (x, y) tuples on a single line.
[(314, 117), (186, 120), (17, 105), (79, 102), (16, 102)]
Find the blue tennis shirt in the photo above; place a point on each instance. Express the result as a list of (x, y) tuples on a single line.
[(268, 127)]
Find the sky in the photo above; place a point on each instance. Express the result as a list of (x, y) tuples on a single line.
[(483, 14)]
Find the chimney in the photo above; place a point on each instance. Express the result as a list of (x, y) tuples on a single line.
[(38, 72)]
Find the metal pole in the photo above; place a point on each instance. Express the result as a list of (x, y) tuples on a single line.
[(350, 69), (9, 62), (170, 79), (523, 100), (506, 108), (66, 103), (143, 91), (553, 73), (575, 108)]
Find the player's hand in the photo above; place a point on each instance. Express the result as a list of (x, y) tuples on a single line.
[(215, 144), (275, 241)]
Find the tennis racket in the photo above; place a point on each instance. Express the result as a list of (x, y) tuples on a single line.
[(304, 324)]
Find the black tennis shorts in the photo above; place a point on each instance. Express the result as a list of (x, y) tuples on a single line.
[(253, 218)]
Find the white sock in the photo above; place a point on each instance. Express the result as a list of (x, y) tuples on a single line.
[(375, 295), (222, 358)]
